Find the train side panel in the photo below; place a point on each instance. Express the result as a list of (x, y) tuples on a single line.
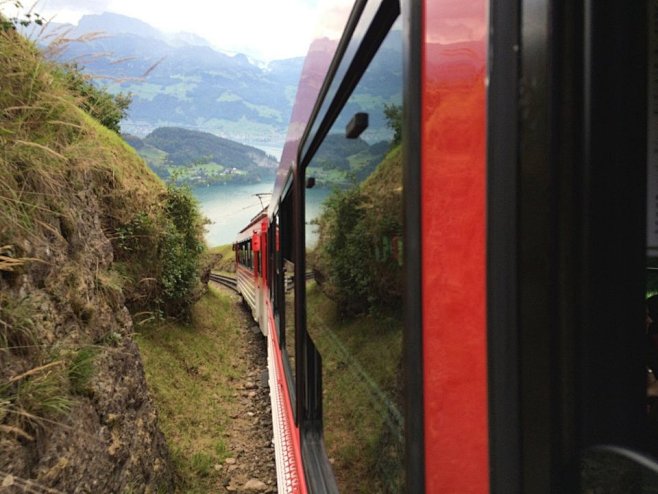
[(247, 288), (251, 248), (287, 447), (453, 194)]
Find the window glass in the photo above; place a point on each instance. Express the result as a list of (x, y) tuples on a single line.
[(617, 471), (612, 470), (356, 38), (277, 286), (354, 278), (652, 229), (287, 288)]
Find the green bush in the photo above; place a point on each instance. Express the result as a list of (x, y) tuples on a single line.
[(358, 261), (108, 109), (24, 20), (160, 254)]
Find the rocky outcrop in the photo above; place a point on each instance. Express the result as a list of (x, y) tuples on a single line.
[(76, 414)]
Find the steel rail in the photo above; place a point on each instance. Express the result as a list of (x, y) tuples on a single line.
[(227, 281)]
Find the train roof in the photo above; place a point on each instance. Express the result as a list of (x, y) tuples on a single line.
[(254, 224)]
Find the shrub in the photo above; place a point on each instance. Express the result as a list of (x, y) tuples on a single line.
[(358, 261), (24, 20), (108, 109), (160, 253)]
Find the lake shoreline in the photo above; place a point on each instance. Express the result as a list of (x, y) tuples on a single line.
[(230, 207)]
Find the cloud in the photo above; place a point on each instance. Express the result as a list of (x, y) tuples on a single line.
[(263, 29), (90, 5)]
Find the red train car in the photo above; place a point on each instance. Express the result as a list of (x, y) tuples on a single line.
[(452, 268), (251, 267)]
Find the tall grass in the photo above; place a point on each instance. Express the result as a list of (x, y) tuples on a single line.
[(57, 162), (51, 147), (33, 399)]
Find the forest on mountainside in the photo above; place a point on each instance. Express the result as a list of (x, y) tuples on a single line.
[(191, 157)]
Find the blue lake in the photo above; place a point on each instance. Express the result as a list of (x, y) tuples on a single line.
[(231, 207)]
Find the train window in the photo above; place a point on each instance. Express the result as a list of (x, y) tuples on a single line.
[(583, 341), (277, 269), (353, 215), (289, 295), (287, 290), (272, 248)]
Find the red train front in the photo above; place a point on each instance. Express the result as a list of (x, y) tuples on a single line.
[(451, 272)]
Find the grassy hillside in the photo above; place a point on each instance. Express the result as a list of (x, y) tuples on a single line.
[(190, 368), (226, 262), (341, 161), (86, 230)]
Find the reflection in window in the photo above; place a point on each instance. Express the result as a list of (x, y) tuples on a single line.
[(289, 288), (617, 471), (354, 297), (286, 281)]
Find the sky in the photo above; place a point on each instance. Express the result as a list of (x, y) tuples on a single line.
[(262, 29)]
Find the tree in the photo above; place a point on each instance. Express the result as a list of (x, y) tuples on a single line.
[(393, 114)]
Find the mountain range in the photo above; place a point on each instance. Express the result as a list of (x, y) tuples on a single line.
[(180, 80)]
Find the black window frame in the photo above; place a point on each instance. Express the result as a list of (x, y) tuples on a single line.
[(566, 237), (308, 359), (287, 245)]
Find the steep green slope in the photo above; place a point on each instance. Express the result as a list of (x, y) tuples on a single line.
[(339, 161), (86, 230)]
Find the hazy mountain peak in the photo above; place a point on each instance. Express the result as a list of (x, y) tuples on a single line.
[(182, 38), (111, 23)]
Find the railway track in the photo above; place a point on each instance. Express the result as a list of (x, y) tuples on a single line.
[(227, 281)]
